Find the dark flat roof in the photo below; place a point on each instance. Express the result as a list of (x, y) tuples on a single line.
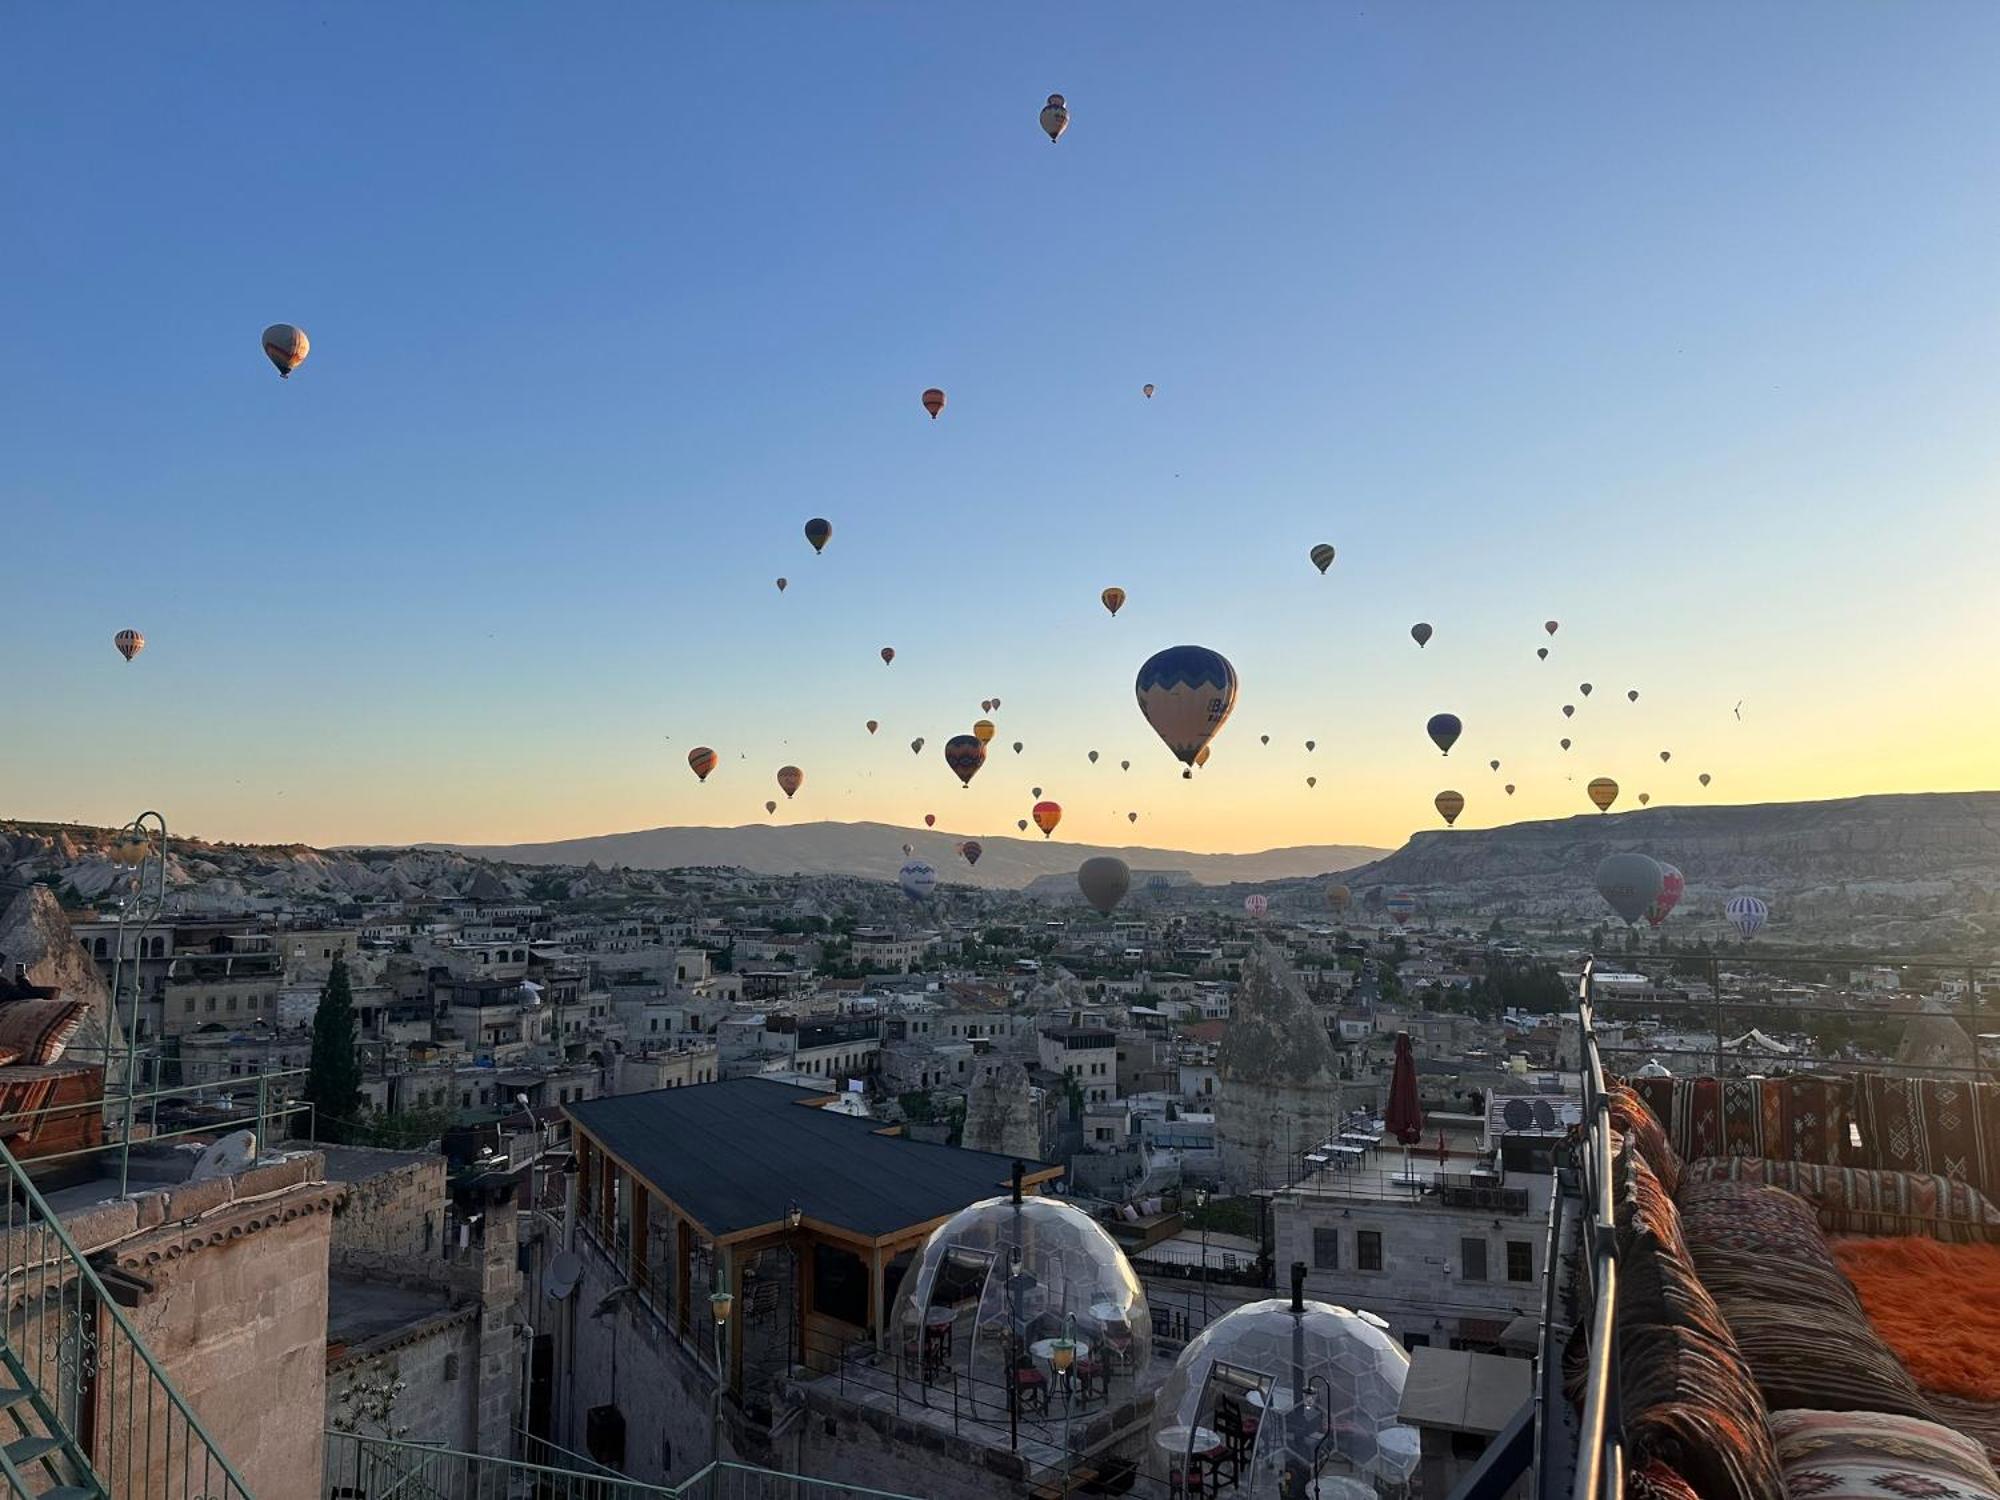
[(733, 1154)]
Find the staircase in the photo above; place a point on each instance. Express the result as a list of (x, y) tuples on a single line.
[(85, 1411)]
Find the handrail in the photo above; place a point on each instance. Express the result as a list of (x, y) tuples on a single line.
[(1600, 1442), (132, 1430)]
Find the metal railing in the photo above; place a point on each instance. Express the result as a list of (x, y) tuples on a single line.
[(369, 1468), (1600, 1459), (87, 1408)]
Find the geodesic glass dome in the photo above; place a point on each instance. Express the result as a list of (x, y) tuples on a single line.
[(1266, 1392), (1025, 1310)]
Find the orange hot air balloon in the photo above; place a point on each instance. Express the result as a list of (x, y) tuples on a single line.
[(888, 655), (790, 779), (1449, 806), (701, 760), (286, 347), (930, 820), (934, 402), (129, 643), (1047, 815), (1114, 599), (770, 807), (1603, 791), (983, 731), (873, 725)]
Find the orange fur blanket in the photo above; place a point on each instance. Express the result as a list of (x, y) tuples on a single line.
[(1936, 1305)]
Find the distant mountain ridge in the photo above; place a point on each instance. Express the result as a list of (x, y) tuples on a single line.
[(875, 851)]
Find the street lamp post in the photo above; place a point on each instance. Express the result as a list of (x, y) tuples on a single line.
[(793, 1215), (720, 1303), (1201, 1207), (1062, 1359)]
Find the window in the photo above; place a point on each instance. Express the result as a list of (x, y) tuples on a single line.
[(1326, 1249), (190, 1006), (1367, 1249), (1472, 1259), (1520, 1260), (1418, 1341)]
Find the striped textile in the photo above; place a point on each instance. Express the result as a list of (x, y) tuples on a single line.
[(1943, 1125), (1800, 1117), (1869, 1455), (1855, 1200)]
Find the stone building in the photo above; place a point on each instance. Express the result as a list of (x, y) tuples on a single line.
[(1278, 1089)]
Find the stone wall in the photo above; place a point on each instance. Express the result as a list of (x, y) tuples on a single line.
[(394, 1210), (437, 1365)]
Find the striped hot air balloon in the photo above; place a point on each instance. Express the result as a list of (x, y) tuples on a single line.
[(934, 403), (965, 755), (286, 347), (1114, 599), (1603, 791), (129, 643), (1186, 694), (1449, 806), (1747, 914), (701, 760)]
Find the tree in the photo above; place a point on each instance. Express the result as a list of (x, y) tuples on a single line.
[(333, 1082)]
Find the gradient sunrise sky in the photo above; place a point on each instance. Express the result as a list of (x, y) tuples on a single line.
[(1679, 324)]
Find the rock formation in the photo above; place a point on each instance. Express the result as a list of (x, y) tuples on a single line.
[(36, 939), (1280, 1093), (1000, 1115)]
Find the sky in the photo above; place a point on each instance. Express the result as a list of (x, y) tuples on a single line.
[(1677, 324)]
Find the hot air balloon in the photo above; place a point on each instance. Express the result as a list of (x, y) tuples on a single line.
[(1034, 791), (1022, 824), (917, 745), (819, 531), (770, 807), (1264, 738), (1017, 747), (1542, 652), (1201, 756), (1093, 757), (1603, 791), (783, 584), (1564, 744), (1322, 557), (129, 643), (972, 849), (1311, 745), (1055, 118), (1420, 633), (996, 704), (1131, 817), (1124, 765), (1549, 626), (908, 850), (1510, 788), (1104, 881), (1672, 885), (917, 879), (1644, 798), (934, 402), (930, 820), (1311, 782), (965, 755), (983, 731), (1494, 764), (1569, 710), (1583, 688), (1748, 914), (1631, 695), (888, 655), (1703, 778), (1146, 391), (1665, 756), (1114, 599), (1629, 883), (286, 347), (986, 705), (1256, 905), (1444, 731), (1402, 906), (1186, 694), (1339, 897), (701, 760), (790, 779), (1046, 816), (1449, 806)]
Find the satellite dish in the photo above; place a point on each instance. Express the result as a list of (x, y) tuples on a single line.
[(235, 1152), (564, 1272)]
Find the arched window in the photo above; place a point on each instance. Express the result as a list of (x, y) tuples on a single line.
[(158, 948)]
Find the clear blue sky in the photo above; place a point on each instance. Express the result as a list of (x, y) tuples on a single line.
[(1680, 324)]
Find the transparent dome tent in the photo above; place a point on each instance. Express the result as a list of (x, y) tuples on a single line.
[(1286, 1399), (1020, 1308)]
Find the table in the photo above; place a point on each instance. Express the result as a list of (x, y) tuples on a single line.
[(1045, 1350), (1176, 1440), (1107, 1312), (1281, 1400), (1409, 1178)]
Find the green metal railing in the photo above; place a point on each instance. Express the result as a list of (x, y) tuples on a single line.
[(86, 1413), (367, 1468)]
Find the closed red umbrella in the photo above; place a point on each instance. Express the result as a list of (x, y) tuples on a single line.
[(1405, 1114)]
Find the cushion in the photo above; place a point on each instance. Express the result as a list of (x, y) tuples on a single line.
[(1800, 1117), (36, 1031), (1632, 1117), (1855, 1200), (1865, 1455), (1941, 1125), (1690, 1405), (1656, 1276), (1806, 1117), (1656, 1481)]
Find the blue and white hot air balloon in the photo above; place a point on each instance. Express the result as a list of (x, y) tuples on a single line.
[(1186, 694), (918, 880), (1747, 914)]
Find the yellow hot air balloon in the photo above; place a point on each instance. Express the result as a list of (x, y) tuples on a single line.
[(1603, 791), (129, 643), (934, 403), (983, 731), (1449, 806), (1114, 599), (701, 760), (790, 779), (286, 347)]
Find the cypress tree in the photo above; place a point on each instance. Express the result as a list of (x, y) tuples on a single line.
[(333, 1083)]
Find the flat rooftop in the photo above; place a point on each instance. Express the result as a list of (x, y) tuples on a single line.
[(733, 1154)]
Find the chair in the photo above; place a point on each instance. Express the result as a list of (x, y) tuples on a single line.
[(1031, 1386)]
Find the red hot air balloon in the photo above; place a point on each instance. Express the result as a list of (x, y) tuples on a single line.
[(965, 755), (701, 760), (930, 820), (1047, 815), (888, 655), (790, 779), (934, 403)]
